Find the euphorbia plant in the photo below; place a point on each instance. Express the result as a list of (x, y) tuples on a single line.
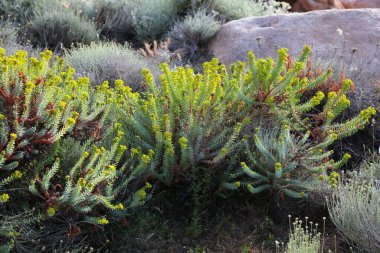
[(290, 161), (40, 103)]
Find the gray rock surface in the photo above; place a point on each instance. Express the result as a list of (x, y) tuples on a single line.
[(310, 5), (351, 37)]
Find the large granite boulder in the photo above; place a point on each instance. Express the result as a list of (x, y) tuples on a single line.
[(310, 5), (350, 36)]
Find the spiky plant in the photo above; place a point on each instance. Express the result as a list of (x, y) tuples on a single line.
[(195, 120), (40, 103), (12, 226), (191, 121), (192, 33), (96, 180), (275, 88), (274, 91), (283, 162)]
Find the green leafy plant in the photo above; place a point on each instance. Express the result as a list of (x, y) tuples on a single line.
[(193, 32), (200, 189), (365, 92), (354, 207), (196, 250), (276, 88), (60, 28)]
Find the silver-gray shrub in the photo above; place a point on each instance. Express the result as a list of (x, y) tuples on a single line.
[(18, 11), (354, 207), (114, 20), (9, 41), (152, 18), (193, 32), (136, 20), (108, 61), (237, 9), (61, 29)]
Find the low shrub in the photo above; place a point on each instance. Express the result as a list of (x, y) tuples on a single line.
[(19, 11), (189, 35), (187, 130), (232, 10), (10, 42), (152, 18), (57, 29), (354, 207), (115, 22), (136, 21), (84, 8), (8, 38), (109, 61)]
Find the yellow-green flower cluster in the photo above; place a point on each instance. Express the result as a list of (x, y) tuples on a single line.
[(316, 100), (366, 114), (4, 197), (183, 142), (333, 179), (142, 194), (16, 174), (51, 211), (145, 159), (346, 157), (103, 221)]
